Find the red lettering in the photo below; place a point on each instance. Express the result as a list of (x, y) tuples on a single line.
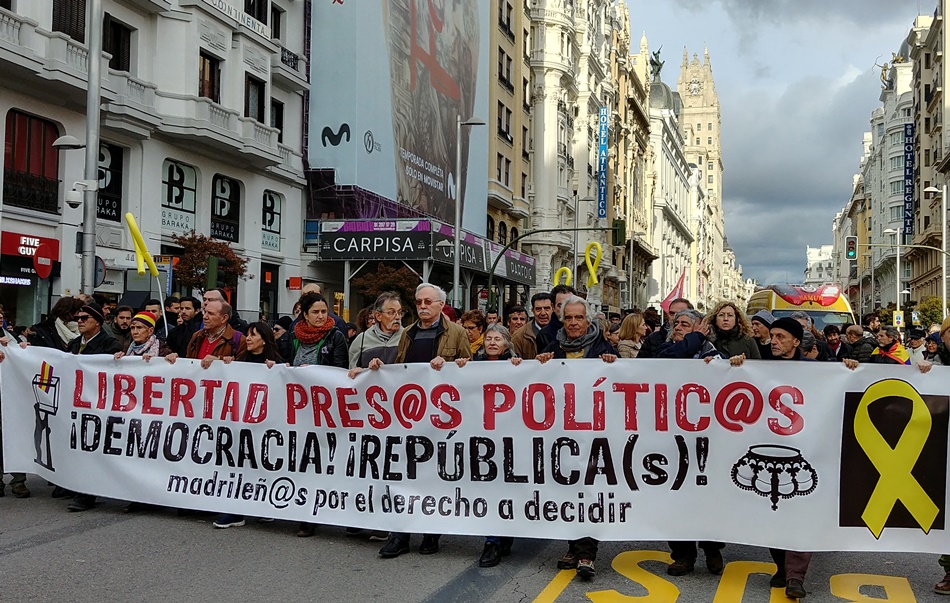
[(385, 419), (296, 400), (78, 402), (103, 391), (409, 404), (528, 409), (439, 393), (183, 390), (231, 410), (570, 410), (347, 407), (124, 387), (210, 385), (738, 403), (489, 405), (661, 408), (796, 422), (255, 412), (321, 400), (149, 395), (630, 391), (682, 397)]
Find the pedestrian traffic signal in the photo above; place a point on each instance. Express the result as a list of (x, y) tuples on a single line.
[(851, 248)]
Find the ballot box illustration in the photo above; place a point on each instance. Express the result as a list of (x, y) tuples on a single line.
[(46, 394)]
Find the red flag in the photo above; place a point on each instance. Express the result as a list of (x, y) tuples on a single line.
[(675, 293)]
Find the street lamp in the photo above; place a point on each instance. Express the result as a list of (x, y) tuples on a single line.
[(456, 269), (90, 182), (943, 238), (900, 235)]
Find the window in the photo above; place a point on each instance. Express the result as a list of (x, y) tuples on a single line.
[(895, 139), (502, 233), (504, 70), (514, 237), (69, 17), (698, 141), (109, 199), (710, 127), (7, 4), (897, 187), (896, 213), (490, 229), (209, 77), (709, 166), (897, 163), (709, 141), (254, 98), (499, 166), (525, 142), (270, 221), (709, 179), (504, 122), (117, 41), (225, 208), (276, 22), (277, 118), (179, 196), (699, 127), (256, 9), (30, 163), (524, 186), (507, 173)]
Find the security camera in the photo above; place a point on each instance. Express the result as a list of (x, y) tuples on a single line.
[(73, 198)]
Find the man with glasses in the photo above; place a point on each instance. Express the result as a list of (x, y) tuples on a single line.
[(436, 340), (92, 340), (382, 339)]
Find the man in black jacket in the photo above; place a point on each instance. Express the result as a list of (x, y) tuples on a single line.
[(92, 340), (179, 337), (659, 337), (549, 333)]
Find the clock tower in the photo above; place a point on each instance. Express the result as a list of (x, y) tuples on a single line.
[(700, 121)]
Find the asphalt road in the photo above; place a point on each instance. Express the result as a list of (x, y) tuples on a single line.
[(104, 555)]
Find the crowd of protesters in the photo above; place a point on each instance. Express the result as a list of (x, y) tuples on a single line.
[(557, 324)]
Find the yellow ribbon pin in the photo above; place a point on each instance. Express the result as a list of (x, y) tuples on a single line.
[(895, 464), (592, 266), (568, 276)]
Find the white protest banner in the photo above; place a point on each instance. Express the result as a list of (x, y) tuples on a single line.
[(799, 455)]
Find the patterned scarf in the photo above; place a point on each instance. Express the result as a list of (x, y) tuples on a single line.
[(150, 346), (581, 343), (309, 335)]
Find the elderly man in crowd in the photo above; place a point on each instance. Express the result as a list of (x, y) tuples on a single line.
[(889, 348), (218, 339), (578, 338), (436, 340), (382, 339), (659, 337)]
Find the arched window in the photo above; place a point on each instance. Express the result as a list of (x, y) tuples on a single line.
[(502, 233), (490, 229), (514, 235), (30, 163)]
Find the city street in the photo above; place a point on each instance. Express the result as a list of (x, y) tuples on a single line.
[(48, 554)]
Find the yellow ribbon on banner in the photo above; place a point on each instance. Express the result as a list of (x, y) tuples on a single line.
[(141, 251), (568, 276), (895, 464), (592, 266)]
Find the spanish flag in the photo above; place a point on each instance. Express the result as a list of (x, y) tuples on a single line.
[(898, 354)]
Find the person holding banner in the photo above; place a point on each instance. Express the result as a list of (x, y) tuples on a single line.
[(731, 332), (436, 340), (144, 341), (317, 341), (381, 337), (497, 347), (889, 348), (578, 338), (659, 337), (474, 324)]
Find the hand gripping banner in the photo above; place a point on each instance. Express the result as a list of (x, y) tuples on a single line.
[(795, 455)]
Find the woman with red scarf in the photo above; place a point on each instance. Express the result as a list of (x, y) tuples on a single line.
[(317, 341)]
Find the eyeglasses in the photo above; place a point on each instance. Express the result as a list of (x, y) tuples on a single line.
[(471, 327), (81, 317), (392, 313), (427, 302)]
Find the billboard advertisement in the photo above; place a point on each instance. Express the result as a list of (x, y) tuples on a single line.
[(390, 79)]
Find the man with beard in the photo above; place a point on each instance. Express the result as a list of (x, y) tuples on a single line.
[(657, 338), (121, 325), (839, 349), (525, 340), (179, 337), (579, 337)]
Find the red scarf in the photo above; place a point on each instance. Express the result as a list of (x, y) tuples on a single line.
[(309, 335)]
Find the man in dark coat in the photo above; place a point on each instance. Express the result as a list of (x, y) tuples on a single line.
[(179, 337), (657, 338), (92, 340)]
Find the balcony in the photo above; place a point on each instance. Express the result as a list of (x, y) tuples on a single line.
[(289, 71), (290, 167), (562, 149), (195, 119), (132, 109), (506, 83), (30, 192), (552, 60)]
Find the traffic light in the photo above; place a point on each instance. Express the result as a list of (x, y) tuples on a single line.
[(851, 248), (618, 233)]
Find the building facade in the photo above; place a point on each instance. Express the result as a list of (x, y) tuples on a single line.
[(819, 265), (204, 134)]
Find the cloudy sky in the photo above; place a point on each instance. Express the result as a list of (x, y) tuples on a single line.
[(797, 84)]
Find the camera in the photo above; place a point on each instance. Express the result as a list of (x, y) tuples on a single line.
[(73, 198)]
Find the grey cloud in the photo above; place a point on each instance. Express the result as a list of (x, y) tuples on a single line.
[(861, 13)]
